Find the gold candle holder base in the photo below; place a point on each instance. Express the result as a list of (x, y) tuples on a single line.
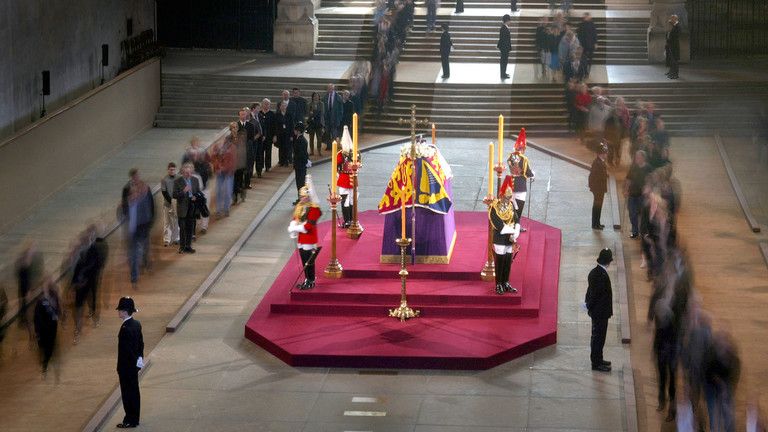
[(333, 270), (403, 312)]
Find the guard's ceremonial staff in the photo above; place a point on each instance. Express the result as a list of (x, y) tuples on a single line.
[(506, 229), (303, 228), (130, 359)]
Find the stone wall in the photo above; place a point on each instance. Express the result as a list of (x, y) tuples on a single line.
[(40, 160), (64, 37)]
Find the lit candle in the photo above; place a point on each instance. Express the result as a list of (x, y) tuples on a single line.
[(334, 151), (501, 138), (402, 216), (434, 135), (490, 169), (354, 137)]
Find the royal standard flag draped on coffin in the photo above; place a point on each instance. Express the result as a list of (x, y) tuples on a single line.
[(430, 194)]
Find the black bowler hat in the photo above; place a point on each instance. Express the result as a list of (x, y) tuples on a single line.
[(299, 126), (605, 257), (126, 304)]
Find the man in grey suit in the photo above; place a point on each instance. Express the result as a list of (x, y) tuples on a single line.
[(186, 190), (334, 110)]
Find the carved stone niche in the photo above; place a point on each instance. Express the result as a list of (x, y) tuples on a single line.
[(659, 26), (296, 28)]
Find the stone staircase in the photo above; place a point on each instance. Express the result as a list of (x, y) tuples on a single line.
[(474, 4), (350, 36), (212, 101), (471, 110)]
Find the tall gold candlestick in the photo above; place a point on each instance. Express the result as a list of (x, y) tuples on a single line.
[(334, 168), (333, 270), (403, 312), (354, 138), (501, 138)]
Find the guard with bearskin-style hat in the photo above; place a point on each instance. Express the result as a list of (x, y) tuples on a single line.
[(520, 171), (504, 222), (344, 181), (303, 228)]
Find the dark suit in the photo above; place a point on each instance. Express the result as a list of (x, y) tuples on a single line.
[(185, 209), (346, 117), (284, 131), (598, 185), (334, 110), (130, 346), (673, 50), (250, 151), (445, 51), (573, 70), (504, 45), (587, 34), (300, 158), (599, 300), (264, 146), (299, 108)]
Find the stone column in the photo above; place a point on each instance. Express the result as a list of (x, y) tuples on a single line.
[(296, 28), (657, 31)]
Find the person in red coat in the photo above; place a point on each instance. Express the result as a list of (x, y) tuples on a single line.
[(303, 228), (344, 181)]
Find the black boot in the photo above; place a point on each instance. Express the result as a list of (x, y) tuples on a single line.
[(498, 261), (508, 270), (596, 218), (346, 211)]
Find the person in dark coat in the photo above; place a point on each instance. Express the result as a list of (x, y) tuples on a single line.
[(130, 359), (333, 111), (445, 50), (46, 320), (459, 6), (268, 128), (284, 125), (599, 301), (300, 156), (186, 190), (673, 48), (504, 45), (138, 211), (348, 110), (598, 185), (247, 127), (587, 34)]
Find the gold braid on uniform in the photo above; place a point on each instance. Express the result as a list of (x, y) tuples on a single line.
[(523, 168), (301, 210), (505, 211)]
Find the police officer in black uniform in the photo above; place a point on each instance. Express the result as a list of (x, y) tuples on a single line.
[(130, 359)]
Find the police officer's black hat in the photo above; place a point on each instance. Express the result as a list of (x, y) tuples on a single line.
[(605, 257), (299, 126), (126, 304)]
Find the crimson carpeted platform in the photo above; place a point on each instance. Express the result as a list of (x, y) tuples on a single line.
[(463, 324)]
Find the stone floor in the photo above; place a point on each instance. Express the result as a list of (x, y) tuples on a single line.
[(93, 196), (730, 274), (206, 376), (255, 65)]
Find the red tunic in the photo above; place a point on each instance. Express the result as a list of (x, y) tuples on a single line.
[(310, 226), (344, 180)]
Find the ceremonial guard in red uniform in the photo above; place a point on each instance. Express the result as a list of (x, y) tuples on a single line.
[(303, 228), (520, 170), (344, 181), (506, 229)]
